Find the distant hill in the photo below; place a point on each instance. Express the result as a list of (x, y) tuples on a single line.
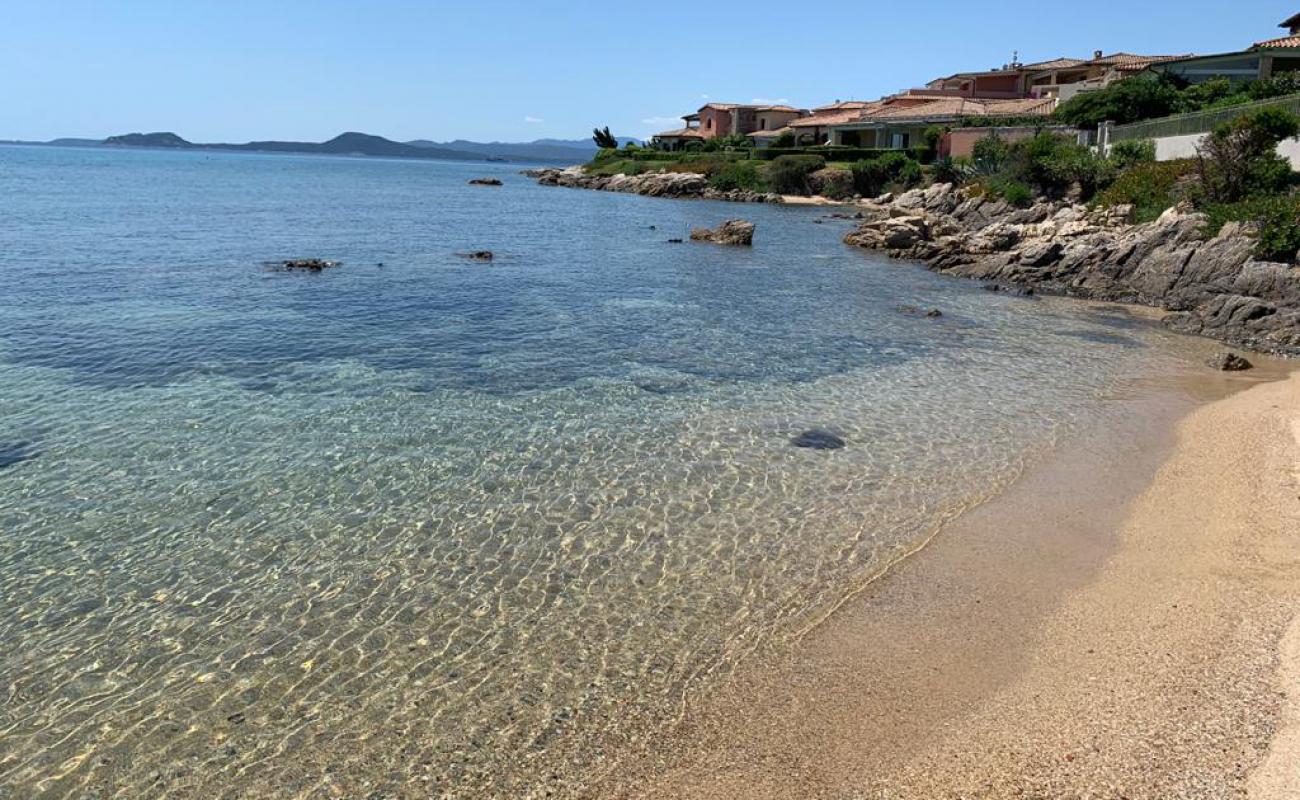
[(545, 151), (147, 140)]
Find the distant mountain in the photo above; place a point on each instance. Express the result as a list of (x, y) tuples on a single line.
[(364, 144), (546, 151), (573, 151)]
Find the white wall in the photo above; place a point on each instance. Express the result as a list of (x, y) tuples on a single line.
[(1169, 148)]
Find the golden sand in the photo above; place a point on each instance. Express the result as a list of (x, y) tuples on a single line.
[(1082, 636)]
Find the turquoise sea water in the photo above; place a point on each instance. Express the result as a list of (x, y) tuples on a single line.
[(420, 526)]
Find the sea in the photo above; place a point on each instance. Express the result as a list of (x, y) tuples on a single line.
[(418, 525)]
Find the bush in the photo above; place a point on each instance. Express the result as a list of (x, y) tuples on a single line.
[(1009, 189), (786, 139), (789, 174), (1127, 101), (873, 176), (990, 154), (956, 171), (1239, 158), (738, 175), (1276, 220), (1149, 188), (832, 182), (1132, 152)]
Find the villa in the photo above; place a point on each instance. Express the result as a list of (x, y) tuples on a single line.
[(899, 122), (1263, 59), (726, 119)]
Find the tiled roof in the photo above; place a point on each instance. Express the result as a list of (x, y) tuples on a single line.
[(774, 134), (791, 109), (948, 107), (822, 119), (682, 133), (1283, 43), (840, 105), (1056, 63), (1127, 62)]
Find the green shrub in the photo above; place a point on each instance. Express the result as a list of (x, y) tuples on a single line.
[(956, 171), (833, 182), (789, 174), (1132, 152), (1123, 102), (738, 175), (1276, 220), (1149, 188), (873, 176), (1009, 189), (990, 154), (1239, 158), (786, 139)]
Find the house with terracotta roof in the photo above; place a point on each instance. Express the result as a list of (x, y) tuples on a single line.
[(815, 128), (1263, 59), (900, 122), (726, 119), (1060, 78)]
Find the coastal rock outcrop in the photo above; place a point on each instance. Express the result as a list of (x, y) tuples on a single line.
[(681, 185), (1211, 286), (1230, 362), (732, 232), (303, 264), (485, 182)]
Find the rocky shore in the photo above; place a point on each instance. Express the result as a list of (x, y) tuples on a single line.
[(679, 185), (1210, 286)]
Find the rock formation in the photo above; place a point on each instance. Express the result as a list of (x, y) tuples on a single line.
[(1211, 286), (652, 184), (733, 232)]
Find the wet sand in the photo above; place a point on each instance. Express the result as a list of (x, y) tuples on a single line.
[(1115, 625)]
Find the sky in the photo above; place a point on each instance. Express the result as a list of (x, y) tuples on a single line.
[(491, 70)]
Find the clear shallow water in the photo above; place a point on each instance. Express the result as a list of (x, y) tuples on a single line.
[(447, 527)]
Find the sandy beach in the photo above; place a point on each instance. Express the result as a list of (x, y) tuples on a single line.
[(1121, 623)]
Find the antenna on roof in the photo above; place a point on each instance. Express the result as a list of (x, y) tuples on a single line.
[(1015, 59)]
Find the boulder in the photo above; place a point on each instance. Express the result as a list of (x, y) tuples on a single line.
[(1230, 362), (731, 232), (485, 182), (478, 255)]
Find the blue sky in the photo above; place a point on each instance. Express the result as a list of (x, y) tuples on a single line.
[(489, 69)]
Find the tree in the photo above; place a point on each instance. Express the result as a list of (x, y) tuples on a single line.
[(1127, 101), (1239, 158), (604, 139)]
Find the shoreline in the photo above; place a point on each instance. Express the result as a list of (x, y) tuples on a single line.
[(1083, 633)]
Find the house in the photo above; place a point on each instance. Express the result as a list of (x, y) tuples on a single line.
[(1096, 73), (726, 119), (900, 122), (679, 138), (1263, 59), (814, 129), (1059, 78)]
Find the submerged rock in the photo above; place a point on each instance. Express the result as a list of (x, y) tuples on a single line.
[(1230, 362), (303, 264), (818, 439), (485, 182), (731, 232), (12, 453), (478, 255)]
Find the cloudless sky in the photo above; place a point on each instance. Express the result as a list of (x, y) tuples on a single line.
[(240, 70)]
